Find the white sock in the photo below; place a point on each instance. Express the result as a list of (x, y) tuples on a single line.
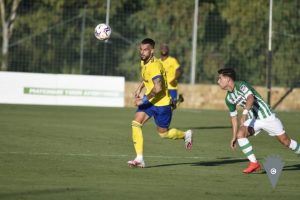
[(139, 158), (247, 149), (295, 146)]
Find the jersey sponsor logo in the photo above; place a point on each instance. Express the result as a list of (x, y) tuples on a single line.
[(236, 101)]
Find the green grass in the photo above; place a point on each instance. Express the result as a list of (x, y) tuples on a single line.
[(62, 153)]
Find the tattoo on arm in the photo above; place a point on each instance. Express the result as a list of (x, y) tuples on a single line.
[(156, 88)]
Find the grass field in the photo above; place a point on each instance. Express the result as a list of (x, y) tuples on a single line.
[(62, 153)]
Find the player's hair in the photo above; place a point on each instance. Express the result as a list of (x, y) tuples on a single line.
[(229, 72), (165, 45), (148, 41)]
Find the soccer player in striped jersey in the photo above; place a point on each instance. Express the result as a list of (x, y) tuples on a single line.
[(256, 116), (154, 103), (173, 72)]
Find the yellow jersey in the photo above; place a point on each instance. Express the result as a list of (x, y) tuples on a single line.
[(170, 65), (150, 71)]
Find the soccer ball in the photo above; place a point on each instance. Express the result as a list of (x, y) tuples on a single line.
[(102, 32)]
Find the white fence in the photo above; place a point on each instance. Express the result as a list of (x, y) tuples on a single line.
[(59, 89)]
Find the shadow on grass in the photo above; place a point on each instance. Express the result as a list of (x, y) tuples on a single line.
[(291, 167), (222, 161), (285, 168), (38, 192)]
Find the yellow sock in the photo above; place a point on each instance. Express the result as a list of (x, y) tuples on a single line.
[(137, 137), (173, 134)]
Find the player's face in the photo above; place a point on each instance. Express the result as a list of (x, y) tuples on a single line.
[(223, 81), (164, 51), (146, 52)]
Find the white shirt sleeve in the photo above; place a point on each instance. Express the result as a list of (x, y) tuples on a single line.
[(233, 114)]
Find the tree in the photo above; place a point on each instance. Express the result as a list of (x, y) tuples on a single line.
[(166, 22), (7, 20), (245, 44)]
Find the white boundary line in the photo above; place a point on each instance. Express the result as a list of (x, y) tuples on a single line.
[(122, 155), (92, 155)]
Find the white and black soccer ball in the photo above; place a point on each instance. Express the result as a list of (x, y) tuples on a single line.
[(102, 31)]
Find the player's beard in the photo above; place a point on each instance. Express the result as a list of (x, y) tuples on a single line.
[(145, 58), (164, 53)]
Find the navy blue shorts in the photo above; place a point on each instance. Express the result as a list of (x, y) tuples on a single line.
[(162, 114), (173, 94)]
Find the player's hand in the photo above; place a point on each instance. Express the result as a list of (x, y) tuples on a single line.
[(138, 101), (233, 143), (136, 93), (173, 83)]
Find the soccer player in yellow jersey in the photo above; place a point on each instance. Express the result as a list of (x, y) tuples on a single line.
[(154, 103), (173, 72)]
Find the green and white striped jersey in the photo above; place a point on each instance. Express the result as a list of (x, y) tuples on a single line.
[(242, 89)]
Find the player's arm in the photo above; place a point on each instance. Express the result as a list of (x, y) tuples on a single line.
[(248, 106), (157, 88), (178, 73), (137, 98), (139, 89), (234, 124)]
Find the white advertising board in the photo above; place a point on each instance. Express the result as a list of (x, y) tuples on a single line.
[(61, 89)]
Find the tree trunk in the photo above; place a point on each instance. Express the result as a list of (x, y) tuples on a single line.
[(7, 20), (5, 40)]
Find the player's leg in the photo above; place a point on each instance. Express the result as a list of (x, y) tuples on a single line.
[(162, 117), (137, 137), (293, 145), (175, 133), (172, 133), (275, 128), (288, 142), (242, 138)]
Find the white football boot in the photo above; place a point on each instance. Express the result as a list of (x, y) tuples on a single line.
[(188, 139), (136, 163)]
